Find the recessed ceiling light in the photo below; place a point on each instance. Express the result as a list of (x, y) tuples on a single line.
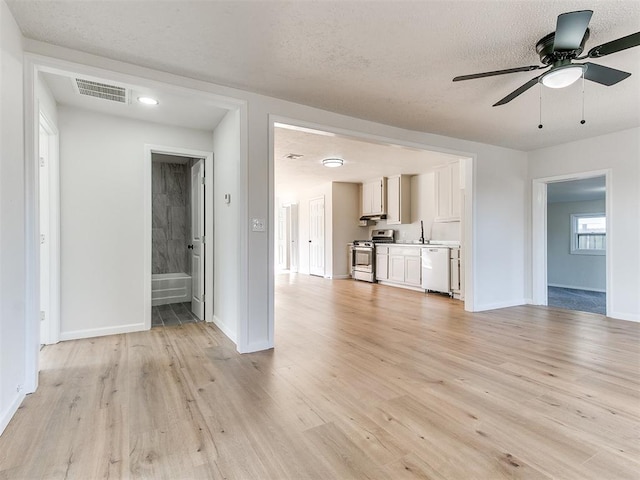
[(332, 162), (148, 100)]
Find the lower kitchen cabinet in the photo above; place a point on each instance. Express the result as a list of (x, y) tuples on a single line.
[(382, 266), (404, 267), (396, 268), (412, 271)]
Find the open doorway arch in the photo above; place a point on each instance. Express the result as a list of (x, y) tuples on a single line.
[(467, 181)]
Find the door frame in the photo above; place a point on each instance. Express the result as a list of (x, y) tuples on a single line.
[(53, 235), (207, 156), (539, 233)]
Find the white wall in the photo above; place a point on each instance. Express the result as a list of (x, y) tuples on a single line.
[(226, 147), (619, 152), (564, 269), (502, 196), (345, 228), (102, 217), (13, 331)]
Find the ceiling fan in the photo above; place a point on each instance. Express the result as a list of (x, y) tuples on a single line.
[(559, 49)]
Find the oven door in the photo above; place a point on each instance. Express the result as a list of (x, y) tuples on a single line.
[(362, 259), (363, 263)]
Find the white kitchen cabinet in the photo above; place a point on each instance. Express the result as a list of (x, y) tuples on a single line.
[(396, 268), (412, 270), (399, 200), (382, 263), (447, 194), (374, 197), (404, 266)]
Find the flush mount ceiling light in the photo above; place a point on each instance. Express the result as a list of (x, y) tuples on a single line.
[(332, 162), (561, 77), (148, 100)]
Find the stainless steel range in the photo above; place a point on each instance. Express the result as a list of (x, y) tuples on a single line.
[(363, 255)]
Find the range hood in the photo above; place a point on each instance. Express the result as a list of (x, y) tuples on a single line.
[(374, 217)]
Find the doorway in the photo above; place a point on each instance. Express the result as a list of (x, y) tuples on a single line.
[(571, 223), (176, 229), (576, 245)]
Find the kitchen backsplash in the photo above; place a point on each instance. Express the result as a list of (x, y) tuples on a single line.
[(410, 233)]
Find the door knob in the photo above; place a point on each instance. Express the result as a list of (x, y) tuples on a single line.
[(190, 247)]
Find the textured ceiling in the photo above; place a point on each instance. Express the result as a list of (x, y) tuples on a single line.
[(387, 61), (363, 160)]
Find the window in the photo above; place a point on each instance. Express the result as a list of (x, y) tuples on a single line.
[(588, 234)]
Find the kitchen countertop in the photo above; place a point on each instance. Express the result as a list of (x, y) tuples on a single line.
[(413, 244)]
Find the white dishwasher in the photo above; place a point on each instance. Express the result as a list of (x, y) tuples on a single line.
[(435, 269)]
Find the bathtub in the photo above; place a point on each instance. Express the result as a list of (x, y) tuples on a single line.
[(170, 288)]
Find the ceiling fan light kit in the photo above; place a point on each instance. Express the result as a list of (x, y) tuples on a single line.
[(562, 77), (559, 49)]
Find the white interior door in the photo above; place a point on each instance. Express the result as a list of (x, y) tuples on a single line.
[(197, 239), (316, 236)]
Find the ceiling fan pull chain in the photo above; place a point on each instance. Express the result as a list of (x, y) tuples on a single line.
[(540, 124), (583, 121)]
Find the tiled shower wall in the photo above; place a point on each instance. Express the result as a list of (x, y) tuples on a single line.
[(171, 213)]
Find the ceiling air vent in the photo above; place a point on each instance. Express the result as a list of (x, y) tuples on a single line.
[(105, 91)]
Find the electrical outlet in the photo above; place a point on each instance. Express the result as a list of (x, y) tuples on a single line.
[(257, 224)]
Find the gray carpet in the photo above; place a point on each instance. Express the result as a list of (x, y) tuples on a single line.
[(581, 300)]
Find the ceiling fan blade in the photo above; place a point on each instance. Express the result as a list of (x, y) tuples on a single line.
[(517, 92), (498, 72), (570, 30), (614, 46), (604, 75)]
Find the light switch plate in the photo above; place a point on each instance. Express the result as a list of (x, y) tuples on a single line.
[(257, 224)]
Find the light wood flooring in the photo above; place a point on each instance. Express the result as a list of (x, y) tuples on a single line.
[(366, 381)]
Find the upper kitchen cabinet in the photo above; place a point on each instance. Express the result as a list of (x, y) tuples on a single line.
[(399, 199), (374, 197), (447, 194)]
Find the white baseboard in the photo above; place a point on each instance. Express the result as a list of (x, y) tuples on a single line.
[(101, 332), (341, 277), (10, 411), (497, 305), (257, 347), (630, 317), (574, 287), (400, 285), (231, 335)]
